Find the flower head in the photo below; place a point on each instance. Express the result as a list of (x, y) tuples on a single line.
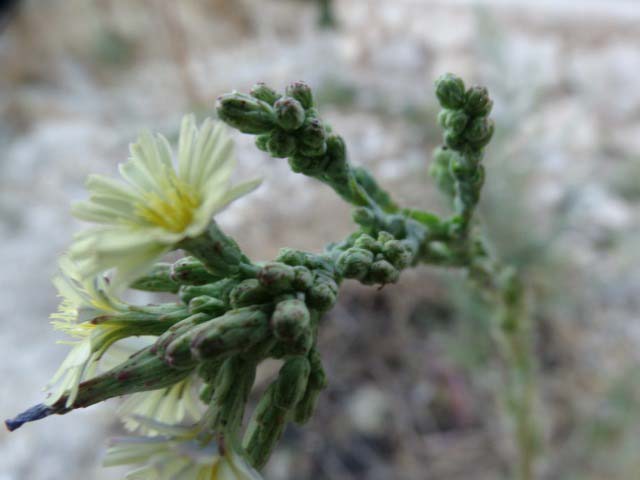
[(169, 406), (156, 206), (82, 301), (179, 455)]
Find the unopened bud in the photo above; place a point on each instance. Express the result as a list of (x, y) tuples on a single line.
[(317, 382), (355, 262), (248, 292), (291, 257), (276, 276), (336, 149), (157, 280), (318, 262), (290, 320), (262, 142), (206, 304), (302, 93), (384, 237), (313, 139), (235, 331), (281, 144), (478, 101), (292, 382), (265, 93), (323, 294), (219, 289), (191, 271), (289, 113), (450, 91), (303, 279), (246, 113), (453, 120), (480, 131), (460, 168), (398, 253), (383, 272), (368, 243), (453, 140)]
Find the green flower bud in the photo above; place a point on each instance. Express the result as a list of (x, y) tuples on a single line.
[(206, 304), (262, 92), (336, 149), (281, 144), (307, 165), (289, 113), (323, 293), (443, 117), (363, 216), (290, 320), (302, 93), (291, 383), (398, 253), (174, 345), (384, 237), (234, 332), (231, 390), (355, 262), (271, 413), (460, 168), (262, 142), (264, 430), (319, 262), (479, 132), (249, 292), (291, 257), (317, 382), (450, 91), (453, 140), (191, 271), (442, 156), (439, 169), (219, 289), (478, 101), (175, 330), (246, 113), (368, 243), (303, 279), (314, 113), (383, 272), (454, 120), (276, 276), (312, 139), (157, 280)]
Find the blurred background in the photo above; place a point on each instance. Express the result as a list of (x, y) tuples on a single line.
[(414, 381)]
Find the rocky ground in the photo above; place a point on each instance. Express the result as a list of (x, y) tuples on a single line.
[(413, 378)]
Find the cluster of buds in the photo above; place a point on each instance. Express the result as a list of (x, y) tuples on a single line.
[(231, 313), (289, 126), (375, 260), (468, 129)]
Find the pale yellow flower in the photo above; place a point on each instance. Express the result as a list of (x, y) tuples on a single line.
[(82, 301), (156, 206), (178, 456), (170, 406)]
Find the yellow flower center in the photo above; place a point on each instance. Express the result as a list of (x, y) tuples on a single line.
[(173, 210), (214, 470)]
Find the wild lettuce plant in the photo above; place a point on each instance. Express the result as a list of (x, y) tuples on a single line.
[(188, 387)]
